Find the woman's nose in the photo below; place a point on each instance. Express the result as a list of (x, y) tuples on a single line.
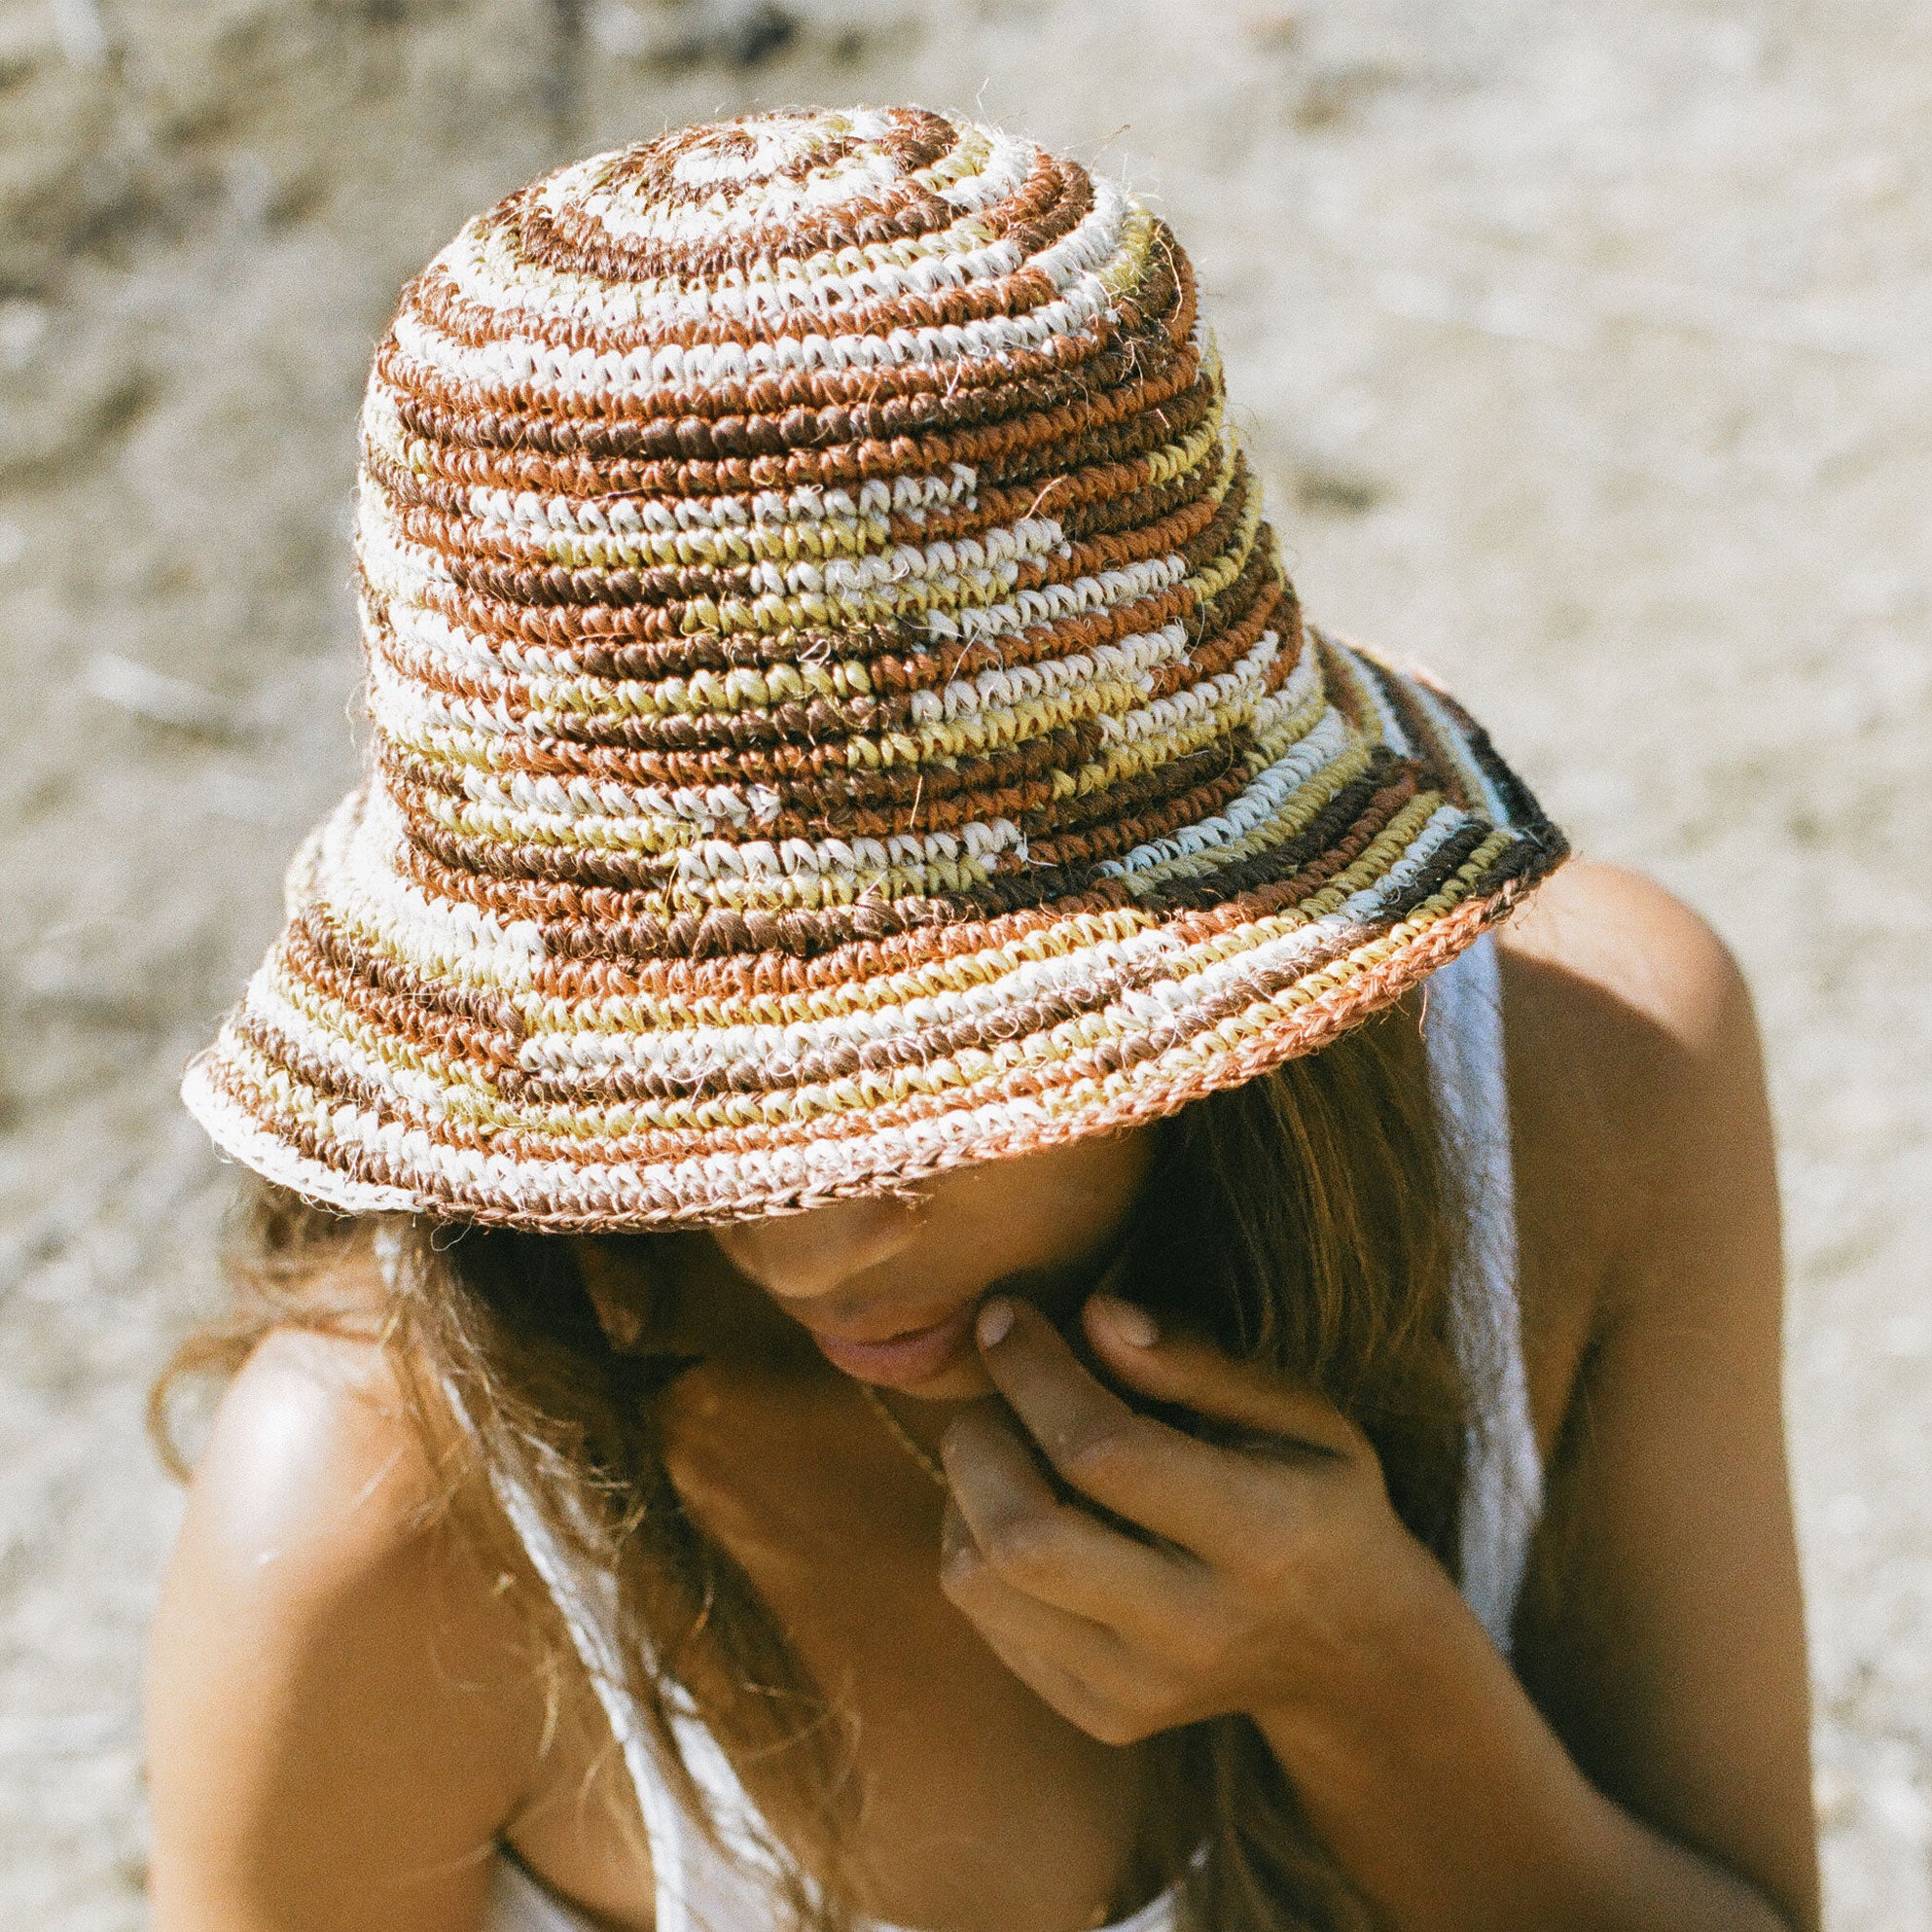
[(800, 1256)]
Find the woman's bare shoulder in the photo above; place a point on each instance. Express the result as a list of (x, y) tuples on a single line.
[(1635, 1077), (1628, 1015), (334, 1683), (1640, 1122), (1622, 958), (316, 1468)]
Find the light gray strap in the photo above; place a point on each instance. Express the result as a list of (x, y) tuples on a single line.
[(697, 1890), (1462, 1031), (588, 1604)]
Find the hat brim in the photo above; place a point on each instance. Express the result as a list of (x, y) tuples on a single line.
[(396, 1054)]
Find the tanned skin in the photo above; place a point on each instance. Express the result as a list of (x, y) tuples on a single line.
[(346, 1715)]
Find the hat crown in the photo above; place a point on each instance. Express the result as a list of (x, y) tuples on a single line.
[(805, 528), (771, 191)]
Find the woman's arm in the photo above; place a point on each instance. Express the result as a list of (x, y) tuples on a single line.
[(1667, 1645), (1667, 1786), (337, 1726)]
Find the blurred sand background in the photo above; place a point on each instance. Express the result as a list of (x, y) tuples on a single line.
[(1586, 351)]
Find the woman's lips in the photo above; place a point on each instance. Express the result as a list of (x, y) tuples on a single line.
[(904, 1360)]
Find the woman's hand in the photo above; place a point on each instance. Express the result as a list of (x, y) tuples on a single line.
[(1261, 1569)]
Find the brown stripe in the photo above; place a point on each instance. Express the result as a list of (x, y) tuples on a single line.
[(974, 421), (565, 458), (570, 243), (599, 638), (495, 558), (1200, 781), (803, 786), (1085, 492), (444, 1010), (1139, 325), (488, 580), (614, 925), (821, 723), (767, 414), (1522, 808)]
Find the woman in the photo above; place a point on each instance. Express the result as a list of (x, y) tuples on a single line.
[(928, 1296)]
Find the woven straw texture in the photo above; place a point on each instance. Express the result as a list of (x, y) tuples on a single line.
[(839, 712)]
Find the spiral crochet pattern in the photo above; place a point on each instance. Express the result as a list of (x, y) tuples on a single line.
[(839, 713)]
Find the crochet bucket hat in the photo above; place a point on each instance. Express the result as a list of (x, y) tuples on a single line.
[(838, 710)]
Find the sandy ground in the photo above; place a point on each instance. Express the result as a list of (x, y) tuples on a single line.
[(1587, 350)]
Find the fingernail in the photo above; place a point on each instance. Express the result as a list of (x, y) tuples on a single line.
[(1130, 1324), (995, 1322)]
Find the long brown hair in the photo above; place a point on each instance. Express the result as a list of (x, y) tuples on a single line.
[(1303, 1220)]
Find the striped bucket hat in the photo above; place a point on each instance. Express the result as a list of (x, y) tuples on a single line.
[(838, 710)]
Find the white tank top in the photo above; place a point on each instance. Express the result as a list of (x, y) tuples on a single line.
[(702, 1887)]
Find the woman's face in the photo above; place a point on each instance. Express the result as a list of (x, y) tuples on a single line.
[(888, 1288)]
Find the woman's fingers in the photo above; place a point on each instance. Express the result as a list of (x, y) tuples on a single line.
[(1087, 1671), (1194, 1374), (1070, 1694), (1127, 1636), (1020, 1533), (1185, 1491)]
